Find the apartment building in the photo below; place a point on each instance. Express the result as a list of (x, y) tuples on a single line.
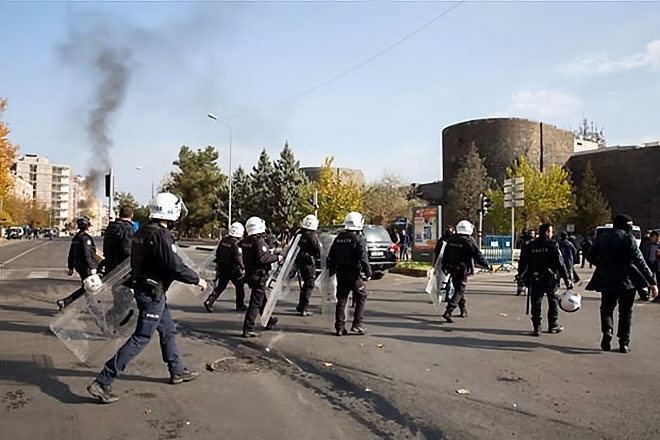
[(21, 189), (51, 184)]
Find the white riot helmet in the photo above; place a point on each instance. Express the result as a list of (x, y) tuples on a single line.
[(354, 221), (255, 225), (464, 227), (570, 301), (310, 222), (167, 206), (92, 283), (236, 230)]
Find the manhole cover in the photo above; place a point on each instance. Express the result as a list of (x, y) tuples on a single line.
[(234, 364)]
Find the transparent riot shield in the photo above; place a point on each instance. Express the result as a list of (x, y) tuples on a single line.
[(95, 325), (437, 283), (205, 269), (281, 280), (324, 282)]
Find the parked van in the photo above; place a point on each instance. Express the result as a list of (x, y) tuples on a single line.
[(636, 230)]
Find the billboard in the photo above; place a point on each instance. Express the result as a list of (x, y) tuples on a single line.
[(427, 222)]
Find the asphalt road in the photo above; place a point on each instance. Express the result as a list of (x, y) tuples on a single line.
[(399, 381)]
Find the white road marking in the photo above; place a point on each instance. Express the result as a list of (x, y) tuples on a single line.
[(40, 274), (11, 260)]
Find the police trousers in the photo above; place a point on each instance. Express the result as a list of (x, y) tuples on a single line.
[(153, 315), (76, 293), (344, 288), (608, 302), (459, 281), (308, 275), (257, 283), (236, 278), (537, 290)]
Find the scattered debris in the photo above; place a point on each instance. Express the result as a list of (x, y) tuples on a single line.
[(327, 364), (368, 390), (267, 350), (380, 345), (361, 344), (148, 411), (463, 391), (428, 369), (503, 315), (515, 406)]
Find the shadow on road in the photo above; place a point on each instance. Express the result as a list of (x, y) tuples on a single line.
[(489, 344)]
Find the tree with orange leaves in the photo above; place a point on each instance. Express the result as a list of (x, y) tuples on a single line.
[(7, 157)]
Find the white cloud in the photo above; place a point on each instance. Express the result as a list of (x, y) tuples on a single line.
[(603, 63), (542, 104)]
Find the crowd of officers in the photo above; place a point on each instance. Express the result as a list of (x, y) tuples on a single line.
[(245, 256)]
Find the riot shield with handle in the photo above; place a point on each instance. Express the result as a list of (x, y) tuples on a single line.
[(281, 280)]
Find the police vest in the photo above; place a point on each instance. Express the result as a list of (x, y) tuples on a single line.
[(142, 263)]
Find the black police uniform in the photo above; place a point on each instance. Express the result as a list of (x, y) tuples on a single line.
[(229, 267), (347, 258), (155, 264), (117, 242), (457, 262), (540, 267), (257, 259), (310, 252), (81, 259)]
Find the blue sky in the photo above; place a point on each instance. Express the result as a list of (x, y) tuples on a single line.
[(550, 61)]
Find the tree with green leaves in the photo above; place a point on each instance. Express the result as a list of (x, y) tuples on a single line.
[(386, 199), (242, 194), (122, 199), (336, 196), (470, 181), (592, 208), (199, 182), (289, 184), (262, 200), (548, 198)]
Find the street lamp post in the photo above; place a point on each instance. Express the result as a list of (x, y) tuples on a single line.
[(215, 118), (139, 168)]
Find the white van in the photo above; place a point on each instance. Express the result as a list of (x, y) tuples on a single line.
[(636, 230)]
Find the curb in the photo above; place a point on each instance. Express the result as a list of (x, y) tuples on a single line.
[(417, 273)]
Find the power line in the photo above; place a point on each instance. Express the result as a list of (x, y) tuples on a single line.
[(356, 66)]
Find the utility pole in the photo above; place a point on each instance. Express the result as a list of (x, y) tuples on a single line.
[(514, 197)]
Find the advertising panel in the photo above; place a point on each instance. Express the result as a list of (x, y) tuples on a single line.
[(426, 232)]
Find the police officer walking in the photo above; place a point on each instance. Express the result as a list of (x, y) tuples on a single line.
[(309, 254), (81, 258), (117, 242), (348, 258), (118, 239), (257, 258), (540, 267), (229, 267), (457, 259), (155, 264)]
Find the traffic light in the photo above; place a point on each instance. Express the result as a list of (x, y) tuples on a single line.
[(486, 203), (108, 184)]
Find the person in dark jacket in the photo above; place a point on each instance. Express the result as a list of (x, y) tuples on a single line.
[(586, 245), (258, 259), (570, 255), (81, 258), (457, 261), (155, 265), (229, 267), (620, 270), (309, 254), (117, 239), (649, 250), (540, 267), (348, 258)]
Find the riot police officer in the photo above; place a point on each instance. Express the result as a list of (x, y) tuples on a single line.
[(460, 251), (118, 239), (229, 267), (540, 267), (155, 264), (257, 258), (310, 252), (82, 254), (348, 258)]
